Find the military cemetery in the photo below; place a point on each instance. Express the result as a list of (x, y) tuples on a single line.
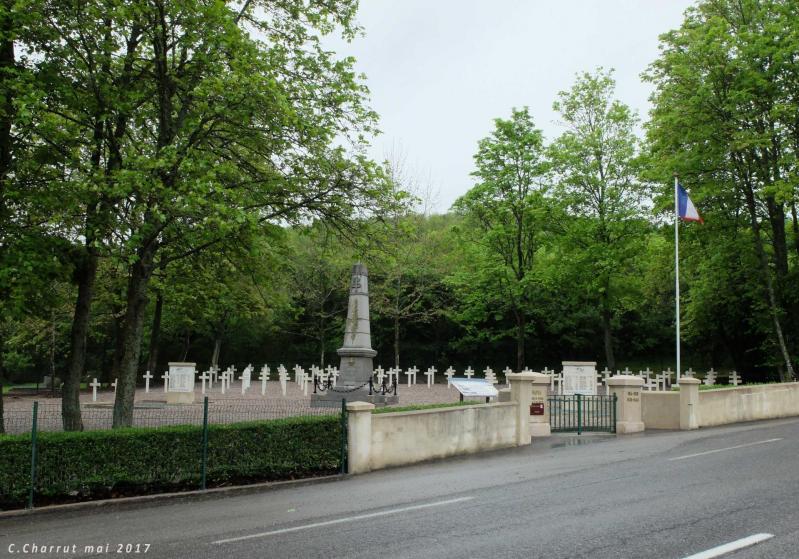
[(399, 279)]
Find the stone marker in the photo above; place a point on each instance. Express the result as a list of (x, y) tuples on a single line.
[(735, 380), (165, 376), (710, 377), (356, 352), (264, 377), (246, 378), (147, 376), (204, 377), (181, 383), (94, 384), (468, 373), (282, 376), (449, 373), (489, 375)]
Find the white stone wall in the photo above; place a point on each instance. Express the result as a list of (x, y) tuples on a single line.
[(748, 403), (415, 436), (661, 410)]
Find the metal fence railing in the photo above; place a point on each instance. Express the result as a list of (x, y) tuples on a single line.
[(47, 417), (580, 413), (158, 414)]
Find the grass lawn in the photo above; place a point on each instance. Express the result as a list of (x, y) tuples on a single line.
[(389, 409)]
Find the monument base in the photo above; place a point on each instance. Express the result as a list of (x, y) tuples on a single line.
[(180, 397), (328, 398)]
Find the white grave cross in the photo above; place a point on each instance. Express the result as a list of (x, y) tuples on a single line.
[(204, 377), (411, 374), (147, 376), (165, 376), (94, 384), (449, 373)]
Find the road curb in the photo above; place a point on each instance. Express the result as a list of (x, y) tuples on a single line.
[(166, 498)]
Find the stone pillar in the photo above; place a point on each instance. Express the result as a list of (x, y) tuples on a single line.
[(359, 436), (539, 406), (689, 403), (627, 388), (504, 395), (522, 393)]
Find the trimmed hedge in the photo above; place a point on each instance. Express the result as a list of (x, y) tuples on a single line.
[(98, 464)]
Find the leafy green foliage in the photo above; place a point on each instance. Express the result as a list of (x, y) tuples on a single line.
[(96, 464)]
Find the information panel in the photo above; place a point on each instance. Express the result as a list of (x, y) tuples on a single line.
[(579, 377), (474, 387)]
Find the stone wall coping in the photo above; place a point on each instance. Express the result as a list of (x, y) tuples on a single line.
[(360, 406), (689, 380), (441, 410), (625, 380), (525, 376), (769, 386)]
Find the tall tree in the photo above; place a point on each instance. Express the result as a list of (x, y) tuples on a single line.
[(507, 210), (720, 111), (597, 161)]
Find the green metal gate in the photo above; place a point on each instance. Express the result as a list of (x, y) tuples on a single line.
[(579, 413)]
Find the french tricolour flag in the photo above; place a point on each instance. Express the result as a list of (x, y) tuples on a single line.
[(686, 208)]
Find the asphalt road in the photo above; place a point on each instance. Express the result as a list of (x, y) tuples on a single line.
[(654, 495)]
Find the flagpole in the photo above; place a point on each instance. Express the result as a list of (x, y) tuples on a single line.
[(677, 267)]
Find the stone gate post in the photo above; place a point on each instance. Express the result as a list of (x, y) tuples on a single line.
[(689, 403), (521, 392), (629, 417), (359, 436)]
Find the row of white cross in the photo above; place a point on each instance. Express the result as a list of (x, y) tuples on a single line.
[(303, 379)]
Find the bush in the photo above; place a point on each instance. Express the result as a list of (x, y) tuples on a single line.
[(98, 464)]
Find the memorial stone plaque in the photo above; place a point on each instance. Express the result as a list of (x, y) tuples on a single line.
[(181, 383), (579, 377)]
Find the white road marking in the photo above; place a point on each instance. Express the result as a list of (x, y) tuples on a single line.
[(730, 547), (723, 449), (345, 519)]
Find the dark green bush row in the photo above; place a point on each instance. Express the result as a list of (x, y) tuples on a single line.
[(97, 464)]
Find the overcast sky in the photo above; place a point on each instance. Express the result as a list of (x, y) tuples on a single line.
[(440, 71)]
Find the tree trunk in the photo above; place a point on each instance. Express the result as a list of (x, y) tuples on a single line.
[(119, 345), (776, 213), (520, 331), (217, 349), (795, 228), (396, 341), (2, 381), (139, 280), (766, 273), (86, 273), (186, 345), (397, 323), (607, 331), (322, 341), (155, 334)]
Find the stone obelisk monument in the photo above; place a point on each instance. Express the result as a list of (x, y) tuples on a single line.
[(356, 352)]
